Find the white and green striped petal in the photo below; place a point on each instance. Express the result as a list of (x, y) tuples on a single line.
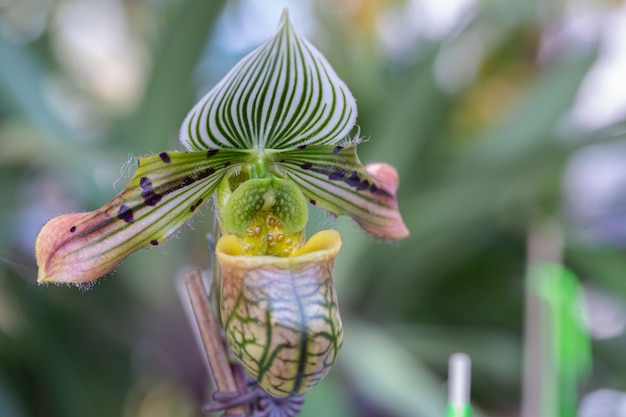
[(162, 195), (282, 95), (333, 178)]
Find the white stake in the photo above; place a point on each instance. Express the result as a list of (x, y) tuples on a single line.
[(459, 384)]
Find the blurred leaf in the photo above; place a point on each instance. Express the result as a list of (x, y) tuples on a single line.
[(9, 405), (52, 368), (495, 355), (406, 119), (385, 372), (170, 93), (329, 398), (23, 78), (531, 127), (602, 266)]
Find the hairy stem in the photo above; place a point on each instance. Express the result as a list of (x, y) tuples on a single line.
[(211, 338)]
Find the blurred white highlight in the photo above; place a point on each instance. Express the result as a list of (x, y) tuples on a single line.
[(603, 403), (459, 379)]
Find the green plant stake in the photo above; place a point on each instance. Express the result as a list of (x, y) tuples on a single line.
[(267, 140), (566, 344)]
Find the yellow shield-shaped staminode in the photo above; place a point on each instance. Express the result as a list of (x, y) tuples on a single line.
[(280, 313)]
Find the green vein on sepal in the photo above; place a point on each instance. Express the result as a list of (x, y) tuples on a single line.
[(282, 94)]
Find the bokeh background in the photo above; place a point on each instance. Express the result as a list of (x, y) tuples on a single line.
[(506, 122)]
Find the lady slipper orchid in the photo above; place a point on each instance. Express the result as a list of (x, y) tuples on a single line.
[(267, 140)]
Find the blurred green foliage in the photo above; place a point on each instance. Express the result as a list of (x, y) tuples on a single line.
[(479, 161)]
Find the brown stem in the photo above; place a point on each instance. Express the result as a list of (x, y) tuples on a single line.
[(211, 338)]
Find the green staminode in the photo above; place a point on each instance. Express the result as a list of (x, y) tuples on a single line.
[(281, 198)]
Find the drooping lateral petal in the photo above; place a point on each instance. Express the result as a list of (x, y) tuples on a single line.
[(283, 94), (333, 178), (161, 196)]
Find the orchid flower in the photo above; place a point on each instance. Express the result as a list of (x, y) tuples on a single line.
[(270, 138)]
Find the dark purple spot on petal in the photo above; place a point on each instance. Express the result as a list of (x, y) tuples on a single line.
[(302, 146), (337, 175), (195, 206), (154, 242), (313, 202), (373, 188), (165, 157), (72, 229), (206, 173), (306, 165), (363, 185), (354, 180), (145, 184), (126, 214), (151, 198), (337, 149), (188, 180), (226, 164), (211, 152)]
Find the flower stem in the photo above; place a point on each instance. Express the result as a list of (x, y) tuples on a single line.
[(211, 338)]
